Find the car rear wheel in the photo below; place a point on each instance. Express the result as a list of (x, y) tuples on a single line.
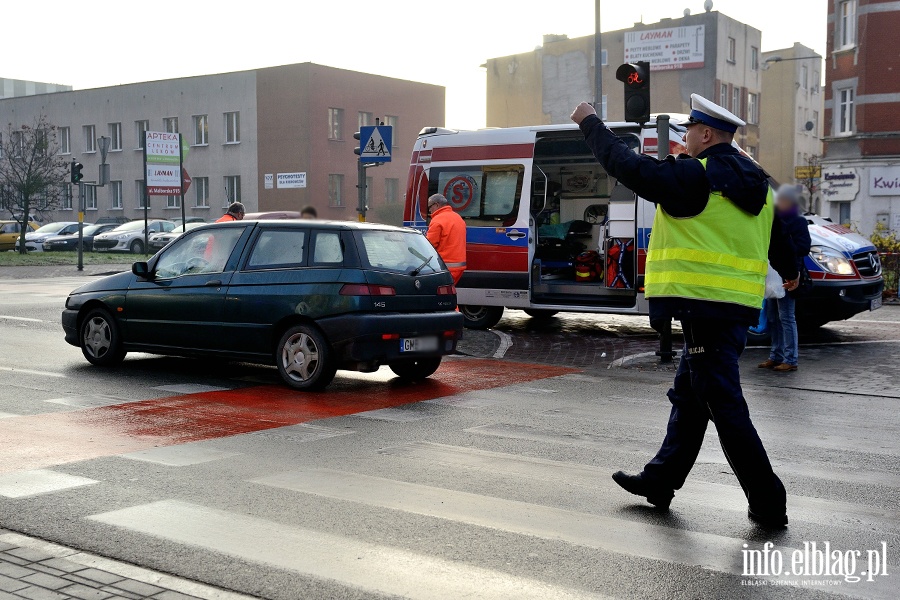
[(101, 342), (304, 358), (137, 247), (481, 317), (417, 368)]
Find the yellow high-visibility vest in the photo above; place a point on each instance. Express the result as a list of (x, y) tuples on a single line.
[(720, 255)]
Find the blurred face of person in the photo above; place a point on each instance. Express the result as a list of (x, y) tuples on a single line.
[(783, 205)]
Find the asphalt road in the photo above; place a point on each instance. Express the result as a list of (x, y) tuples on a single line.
[(492, 481)]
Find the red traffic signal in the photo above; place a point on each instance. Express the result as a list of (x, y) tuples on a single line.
[(636, 77)]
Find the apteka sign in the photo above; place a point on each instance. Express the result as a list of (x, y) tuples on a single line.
[(163, 158)]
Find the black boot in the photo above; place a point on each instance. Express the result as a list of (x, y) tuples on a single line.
[(635, 484), (768, 520)]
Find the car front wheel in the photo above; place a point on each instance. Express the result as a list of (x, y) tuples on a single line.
[(416, 369), (304, 358), (137, 247), (101, 342)]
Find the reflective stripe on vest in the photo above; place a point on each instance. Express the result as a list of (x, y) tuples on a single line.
[(719, 255), (456, 265)]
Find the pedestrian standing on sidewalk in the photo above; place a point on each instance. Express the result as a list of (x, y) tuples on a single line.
[(714, 229), (447, 233), (780, 313)]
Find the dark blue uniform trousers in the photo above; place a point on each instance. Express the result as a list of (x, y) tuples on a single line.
[(707, 387)]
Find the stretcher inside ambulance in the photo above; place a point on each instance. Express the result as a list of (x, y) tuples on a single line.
[(548, 230)]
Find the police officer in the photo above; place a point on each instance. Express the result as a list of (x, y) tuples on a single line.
[(713, 236)]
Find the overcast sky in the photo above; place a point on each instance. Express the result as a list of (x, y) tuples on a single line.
[(124, 41)]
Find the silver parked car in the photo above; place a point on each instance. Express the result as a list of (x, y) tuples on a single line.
[(130, 236), (161, 240)]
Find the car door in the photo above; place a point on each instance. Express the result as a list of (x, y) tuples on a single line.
[(182, 305)]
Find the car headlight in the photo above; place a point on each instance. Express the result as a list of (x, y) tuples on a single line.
[(122, 236), (831, 260)]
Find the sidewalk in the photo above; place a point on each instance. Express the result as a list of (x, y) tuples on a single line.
[(38, 570), (50, 271)]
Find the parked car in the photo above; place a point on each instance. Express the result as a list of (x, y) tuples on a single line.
[(130, 236), (310, 297), (10, 232), (189, 220), (70, 241), (113, 220), (161, 240), (34, 241), (276, 214)]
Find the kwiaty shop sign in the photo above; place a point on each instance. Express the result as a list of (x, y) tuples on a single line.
[(884, 181), (162, 152)]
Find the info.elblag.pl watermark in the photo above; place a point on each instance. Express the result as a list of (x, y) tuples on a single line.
[(814, 564)]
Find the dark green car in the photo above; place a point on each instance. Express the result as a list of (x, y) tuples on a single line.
[(310, 297)]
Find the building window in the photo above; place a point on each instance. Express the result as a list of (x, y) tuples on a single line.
[(201, 187), (65, 200), (115, 195), (845, 118), (604, 104), (365, 119), (751, 150), (732, 50), (816, 80), (335, 123), (723, 95), (90, 138), (90, 197), (141, 190), (815, 122), (736, 100), (232, 189), (170, 124), (335, 190), (232, 127), (201, 130), (844, 213), (804, 75), (140, 129), (395, 123), (392, 190), (115, 137), (753, 108), (846, 24), (65, 145), (754, 58), (173, 201), (16, 144)]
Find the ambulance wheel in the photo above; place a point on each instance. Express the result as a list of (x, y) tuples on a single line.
[(481, 317), (537, 313)]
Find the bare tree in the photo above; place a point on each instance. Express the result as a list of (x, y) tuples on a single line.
[(812, 175), (31, 171)]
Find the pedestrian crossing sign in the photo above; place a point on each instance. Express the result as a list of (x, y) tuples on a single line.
[(375, 143)]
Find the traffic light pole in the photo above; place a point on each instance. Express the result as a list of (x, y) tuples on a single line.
[(81, 202), (598, 62)]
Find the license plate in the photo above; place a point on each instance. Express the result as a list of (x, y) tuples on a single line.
[(876, 304), (421, 344)]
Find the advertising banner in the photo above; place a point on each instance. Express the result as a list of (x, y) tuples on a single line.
[(667, 49), (163, 160), (290, 180)]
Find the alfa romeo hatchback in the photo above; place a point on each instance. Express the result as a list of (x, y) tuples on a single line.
[(310, 297)]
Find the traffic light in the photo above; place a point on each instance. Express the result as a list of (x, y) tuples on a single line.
[(636, 77), (76, 172), (358, 150)]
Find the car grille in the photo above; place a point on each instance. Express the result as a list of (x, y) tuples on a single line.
[(867, 263), (105, 243)]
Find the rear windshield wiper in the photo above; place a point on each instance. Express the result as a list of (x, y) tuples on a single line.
[(421, 257)]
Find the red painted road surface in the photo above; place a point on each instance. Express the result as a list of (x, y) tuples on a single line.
[(39, 441)]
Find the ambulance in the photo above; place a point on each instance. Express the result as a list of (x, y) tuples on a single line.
[(549, 230)]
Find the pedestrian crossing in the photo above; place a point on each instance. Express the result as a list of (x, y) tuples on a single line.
[(537, 503)]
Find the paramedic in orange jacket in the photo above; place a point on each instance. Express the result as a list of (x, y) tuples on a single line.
[(447, 233)]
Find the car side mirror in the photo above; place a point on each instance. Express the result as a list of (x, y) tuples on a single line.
[(140, 269)]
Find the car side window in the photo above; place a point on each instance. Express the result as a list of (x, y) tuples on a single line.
[(167, 227), (278, 248), (9, 228), (203, 252), (327, 248)]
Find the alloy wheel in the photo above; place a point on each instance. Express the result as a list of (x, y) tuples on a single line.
[(300, 357), (97, 337)]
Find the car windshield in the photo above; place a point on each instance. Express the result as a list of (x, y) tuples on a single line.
[(130, 226), (94, 229), (51, 228), (401, 251)]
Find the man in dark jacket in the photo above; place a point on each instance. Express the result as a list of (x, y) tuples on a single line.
[(713, 233), (780, 314)]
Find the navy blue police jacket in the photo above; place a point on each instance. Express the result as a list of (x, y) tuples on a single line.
[(682, 186)]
